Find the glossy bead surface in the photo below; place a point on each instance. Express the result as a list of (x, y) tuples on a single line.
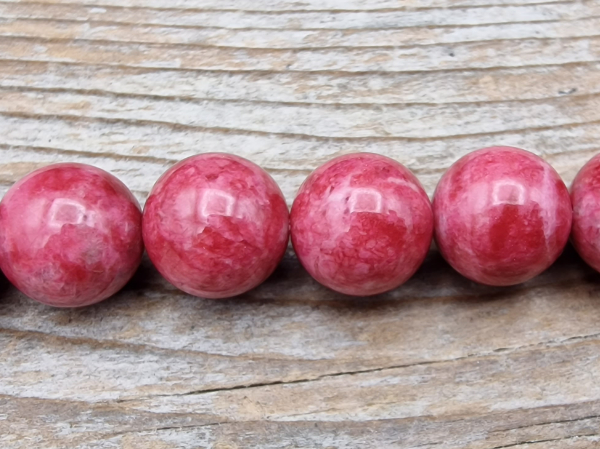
[(502, 215), (585, 195), (216, 225), (361, 224), (70, 235)]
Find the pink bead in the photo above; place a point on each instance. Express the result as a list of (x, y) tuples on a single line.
[(361, 224), (502, 215), (70, 235), (216, 225), (585, 195)]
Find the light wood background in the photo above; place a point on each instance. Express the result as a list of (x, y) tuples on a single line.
[(134, 85)]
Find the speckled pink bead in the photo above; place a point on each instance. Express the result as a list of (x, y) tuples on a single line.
[(70, 235), (361, 224), (585, 195), (502, 215), (216, 225)]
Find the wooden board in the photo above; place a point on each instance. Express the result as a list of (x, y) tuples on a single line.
[(134, 85)]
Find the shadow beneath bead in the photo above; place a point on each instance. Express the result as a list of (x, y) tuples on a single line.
[(292, 283), (144, 279), (5, 285), (436, 280), (589, 277), (11, 298)]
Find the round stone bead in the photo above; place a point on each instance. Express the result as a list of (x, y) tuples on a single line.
[(70, 235), (502, 215), (361, 224), (216, 225), (585, 195)]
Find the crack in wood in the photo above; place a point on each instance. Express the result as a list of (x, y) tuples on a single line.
[(309, 72), (163, 429), (504, 351), (304, 29), (549, 440), (292, 50), (187, 99), (547, 423), (262, 51), (297, 136)]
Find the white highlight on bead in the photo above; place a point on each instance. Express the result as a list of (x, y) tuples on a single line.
[(508, 192), (67, 211), (365, 200)]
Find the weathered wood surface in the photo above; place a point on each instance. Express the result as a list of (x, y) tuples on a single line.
[(134, 85)]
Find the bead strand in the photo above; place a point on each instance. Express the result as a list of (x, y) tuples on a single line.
[(217, 225)]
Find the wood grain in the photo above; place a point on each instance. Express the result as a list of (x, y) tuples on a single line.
[(133, 86)]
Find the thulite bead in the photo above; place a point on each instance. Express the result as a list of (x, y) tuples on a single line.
[(70, 235), (502, 215), (585, 195), (361, 224), (216, 225)]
